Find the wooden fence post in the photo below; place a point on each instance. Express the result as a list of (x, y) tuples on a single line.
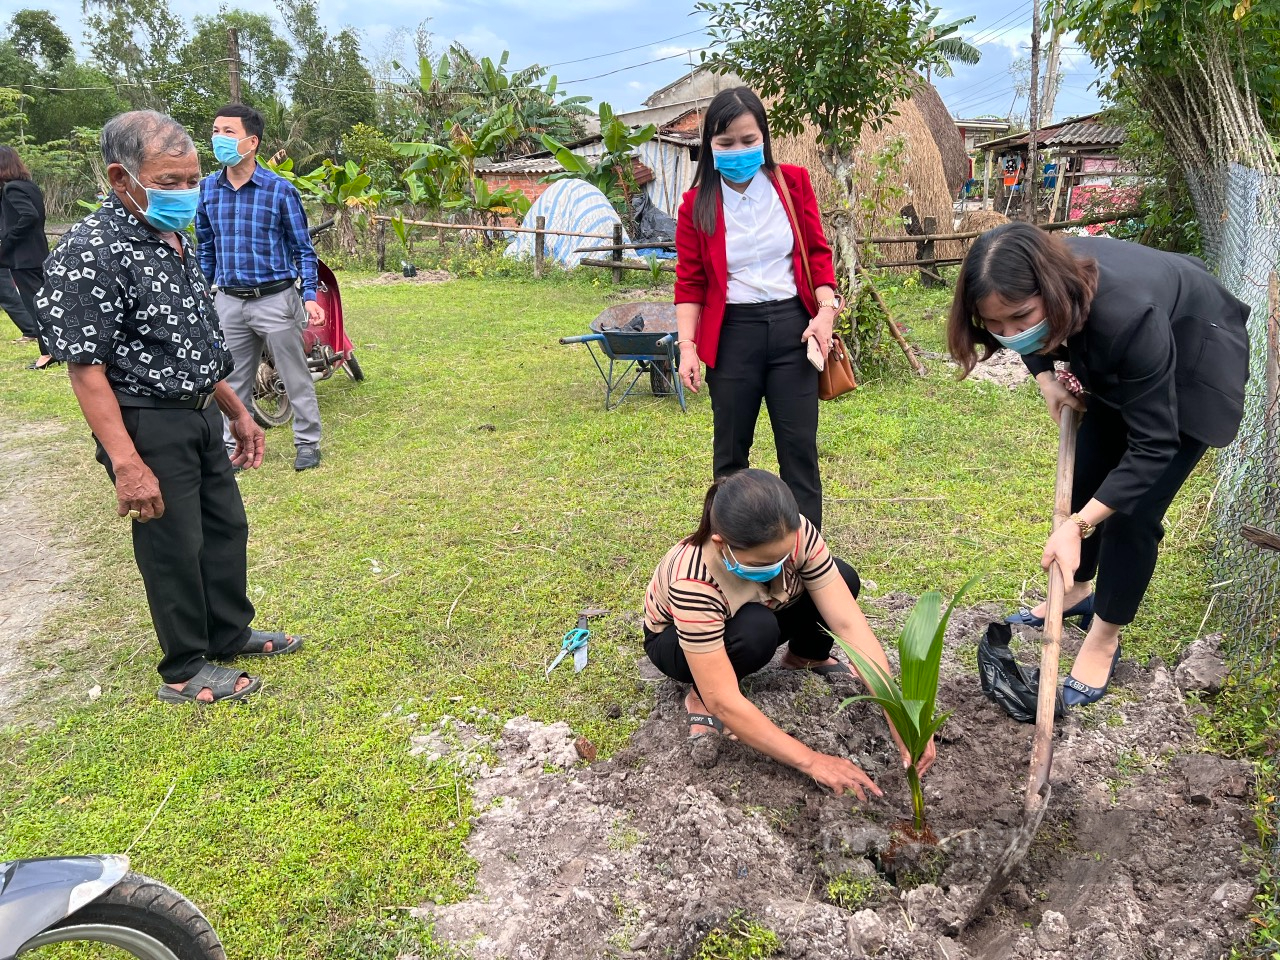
[(925, 250), (617, 252), (382, 246), (539, 247)]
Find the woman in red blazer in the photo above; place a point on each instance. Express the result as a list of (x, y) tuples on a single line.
[(743, 303)]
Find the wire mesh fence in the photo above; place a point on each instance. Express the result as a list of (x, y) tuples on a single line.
[(1246, 573), (1245, 564)]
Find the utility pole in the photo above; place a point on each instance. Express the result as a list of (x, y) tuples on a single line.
[(1031, 192), (1051, 78), (233, 63)]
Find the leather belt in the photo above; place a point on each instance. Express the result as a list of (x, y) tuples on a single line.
[(256, 293), (201, 402)]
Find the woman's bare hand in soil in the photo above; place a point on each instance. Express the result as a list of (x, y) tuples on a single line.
[(841, 775)]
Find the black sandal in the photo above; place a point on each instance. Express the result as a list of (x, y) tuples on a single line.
[(48, 362), (220, 681)]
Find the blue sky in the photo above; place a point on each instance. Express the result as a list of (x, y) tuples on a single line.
[(620, 51)]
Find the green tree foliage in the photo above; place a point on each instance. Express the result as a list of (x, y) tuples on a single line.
[(38, 38), (265, 60), (135, 42), (332, 89), (1205, 71), (943, 45), (612, 172), (459, 88)]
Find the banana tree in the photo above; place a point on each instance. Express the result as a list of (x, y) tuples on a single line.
[(910, 703), (344, 190), (612, 172)]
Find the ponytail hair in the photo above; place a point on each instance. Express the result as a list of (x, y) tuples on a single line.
[(746, 509)]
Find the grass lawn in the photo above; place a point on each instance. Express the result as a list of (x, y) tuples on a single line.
[(474, 496)]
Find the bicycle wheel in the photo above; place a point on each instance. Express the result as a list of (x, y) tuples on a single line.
[(138, 917)]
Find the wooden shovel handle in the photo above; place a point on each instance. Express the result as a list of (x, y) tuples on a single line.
[(1042, 752)]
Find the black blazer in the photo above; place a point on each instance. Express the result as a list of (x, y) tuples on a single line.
[(1167, 346), (22, 241)]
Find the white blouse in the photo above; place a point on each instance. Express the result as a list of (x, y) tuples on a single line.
[(758, 242)]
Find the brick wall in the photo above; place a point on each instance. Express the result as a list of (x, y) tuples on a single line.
[(526, 184)]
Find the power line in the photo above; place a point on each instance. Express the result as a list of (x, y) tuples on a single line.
[(614, 53), (981, 36), (633, 66), (117, 84)]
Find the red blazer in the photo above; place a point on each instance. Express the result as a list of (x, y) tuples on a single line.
[(702, 271)]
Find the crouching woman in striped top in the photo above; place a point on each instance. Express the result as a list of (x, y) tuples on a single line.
[(756, 575)]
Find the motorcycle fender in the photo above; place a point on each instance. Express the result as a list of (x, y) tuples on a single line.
[(36, 894)]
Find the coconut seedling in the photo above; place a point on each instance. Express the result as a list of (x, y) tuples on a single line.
[(910, 702)]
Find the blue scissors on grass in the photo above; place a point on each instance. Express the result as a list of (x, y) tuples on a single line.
[(575, 641)]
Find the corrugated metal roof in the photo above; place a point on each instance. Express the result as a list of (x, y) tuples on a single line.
[(522, 165), (1087, 134)]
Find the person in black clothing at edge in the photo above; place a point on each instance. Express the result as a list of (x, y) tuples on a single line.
[(126, 306), (1158, 355), (23, 246)]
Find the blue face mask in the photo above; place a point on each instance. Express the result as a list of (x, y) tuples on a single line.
[(739, 166), (755, 574), (1029, 340), (227, 149), (170, 209)]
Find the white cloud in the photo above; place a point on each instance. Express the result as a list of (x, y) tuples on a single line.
[(483, 42), (637, 85), (671, 51)]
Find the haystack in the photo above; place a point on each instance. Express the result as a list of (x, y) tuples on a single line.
[(955, 162), (981, 220), (920, 168)]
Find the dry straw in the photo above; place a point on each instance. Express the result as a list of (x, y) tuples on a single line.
[(920, 167)]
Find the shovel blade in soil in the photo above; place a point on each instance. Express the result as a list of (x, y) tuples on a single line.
[(1012, 857)]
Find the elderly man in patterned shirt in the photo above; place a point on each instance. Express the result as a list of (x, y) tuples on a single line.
[(126, 306)]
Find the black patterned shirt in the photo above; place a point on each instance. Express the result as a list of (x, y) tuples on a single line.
[(118, 295)]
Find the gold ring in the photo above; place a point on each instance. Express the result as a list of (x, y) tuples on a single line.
[(134, 514)]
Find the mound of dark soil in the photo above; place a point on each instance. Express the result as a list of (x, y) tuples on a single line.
[(1140, 854)]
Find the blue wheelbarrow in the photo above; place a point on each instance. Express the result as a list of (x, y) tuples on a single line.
[(636, 338)]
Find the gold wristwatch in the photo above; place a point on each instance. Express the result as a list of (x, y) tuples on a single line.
[(836, 302), (1087, 529)]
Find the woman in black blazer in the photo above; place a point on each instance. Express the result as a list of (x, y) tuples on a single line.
[(23, 246), (1159, 356)]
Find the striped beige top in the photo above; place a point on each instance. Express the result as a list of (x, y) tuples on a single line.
[(692, 588)]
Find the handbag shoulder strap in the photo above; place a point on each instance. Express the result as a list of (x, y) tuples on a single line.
[(795, 223)]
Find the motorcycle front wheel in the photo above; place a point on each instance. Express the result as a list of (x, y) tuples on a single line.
[(271, 406), (138, 917)]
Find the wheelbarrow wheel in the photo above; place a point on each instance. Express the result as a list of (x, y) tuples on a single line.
[(661, 378), (271, 406), (353, 368)]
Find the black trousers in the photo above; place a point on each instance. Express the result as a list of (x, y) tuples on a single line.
[(14, 304), (761, 357), (192, 559), (1122, 554), (754, 633), (29, 281)]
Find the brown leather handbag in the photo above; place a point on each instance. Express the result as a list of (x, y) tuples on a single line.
[(836, 377)]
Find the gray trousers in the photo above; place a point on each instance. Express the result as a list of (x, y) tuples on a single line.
[(276, 321)]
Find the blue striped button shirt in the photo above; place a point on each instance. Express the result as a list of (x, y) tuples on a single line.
[(254, 235)]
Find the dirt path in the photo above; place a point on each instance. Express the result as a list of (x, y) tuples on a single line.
[(35, 564), (640, 856)]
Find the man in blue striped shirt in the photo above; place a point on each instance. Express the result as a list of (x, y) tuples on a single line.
[(254, 245)]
